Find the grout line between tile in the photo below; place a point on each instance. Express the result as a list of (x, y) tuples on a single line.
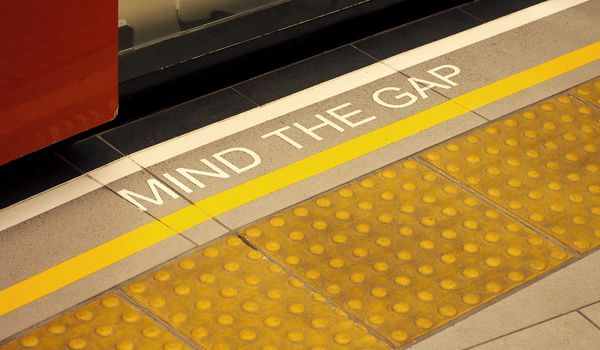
[(588, 319), (330, 301), (174, 331), (232, 87)]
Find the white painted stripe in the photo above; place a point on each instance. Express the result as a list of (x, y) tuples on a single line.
[(197, 138), (46, 201), (115, 171), (150, 156), (476, 34)]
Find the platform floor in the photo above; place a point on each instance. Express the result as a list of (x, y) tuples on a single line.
[(442, 196)]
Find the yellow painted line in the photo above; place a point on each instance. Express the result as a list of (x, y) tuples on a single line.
[(134, 241)]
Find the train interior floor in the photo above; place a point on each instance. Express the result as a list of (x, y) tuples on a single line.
[(435, 186)]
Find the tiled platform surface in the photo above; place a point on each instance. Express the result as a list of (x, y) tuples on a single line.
[(379, 262), (506, 321)]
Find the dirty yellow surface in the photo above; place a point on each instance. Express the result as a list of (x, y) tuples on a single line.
[(542, 163), (106, 323), (404, 250), (229, 296)]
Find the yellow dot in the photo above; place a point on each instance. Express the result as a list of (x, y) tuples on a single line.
[(529, 115), (535, 240), (473, 159), (493, 261), (579, 220), (342, 339), (447, 310), (277, 222), (203, 304), (448, 234), (472, 139), (336, 263), (379, 292), (323, 202), (172, 346), (221, 346), (231, 266), (253, 232), (425, 296), (247, 335), (295, 337), (360, 252), (559, 254), (387, 195), (157, 302), (272, 246), (491, 237), (447, 284), (429, 177), (494, 192), (389, 174), (383, 242), (575, 198), (234, 241), (272, 322), (427, 245), (581, 244), (433, 156), (187, 264), (425, 269), (333, 289), (514, 251), (535, 195), (546, 107), (207, 278), (29, 341), (110, 302), (320, 225), (493, 171), (453, 168), (428, 221), (347, 193), (470, 272), (296, 283), (228, 292), (493, 287), (365, 205), (399, 335), (407, 208), (516, 276), (385, 218), (225, 320), (471, 224), (554, 185), (56, 328), (491, 130), (448, 259), (131, 316), (381, 266), (491, 214), (511, 142), (592, 168), (408, 186), (530, 134), (78, 343), (404, 255), (104, 331), (292, 260), (316, 249), (300, 212), (471, 202), (355, 304), (449, 211), (536, 217), (402, 281), (564, 99), (537, 265), (339, 238), (424, 323), (470, 298), (209, 253), (319, 323), (557, 207), (178, 317), (83, 315), (153, 332), (312, 274), (376, 319)]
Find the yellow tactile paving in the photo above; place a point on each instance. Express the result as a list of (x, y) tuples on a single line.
[(228, 296), (106, 323), (589, 91), (404, 250), (542, 163)]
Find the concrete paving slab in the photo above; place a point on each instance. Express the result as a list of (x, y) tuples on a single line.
[(566, 290), (570, 331)]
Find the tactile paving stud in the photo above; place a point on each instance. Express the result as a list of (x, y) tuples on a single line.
[(229, 296), (542, 163), (404, 250), (106, 323), (589, 91)]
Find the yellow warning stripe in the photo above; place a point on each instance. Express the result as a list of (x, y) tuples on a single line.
[(134, 241)]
